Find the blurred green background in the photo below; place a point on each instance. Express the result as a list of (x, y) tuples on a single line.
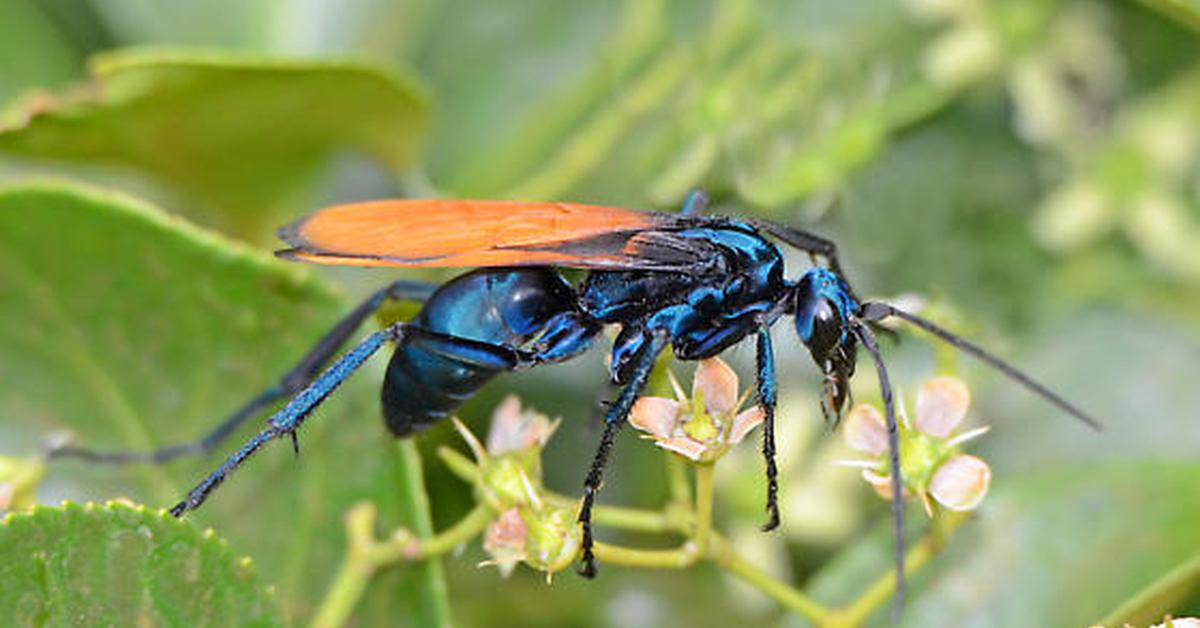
[(1030, 167)]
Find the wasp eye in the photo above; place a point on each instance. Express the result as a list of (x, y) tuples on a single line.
[(825, 330)]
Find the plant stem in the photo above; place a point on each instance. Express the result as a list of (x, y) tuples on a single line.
[(366, 556), (678, 558), (461, 466), (860, 609), (704, 507), (726, 558), (635, 519), (677, 481)]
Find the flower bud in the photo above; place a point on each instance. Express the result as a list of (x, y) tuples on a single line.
[(19, 480), (553, 540)]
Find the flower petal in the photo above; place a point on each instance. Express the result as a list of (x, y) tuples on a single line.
[(941, 405), (878, 481), (504, 540), (719, 384), (655, 415), (747, 420), (514, 429), (961, 482), (865, 431), (685, 447)]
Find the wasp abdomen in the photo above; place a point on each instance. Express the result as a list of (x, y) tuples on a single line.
[(501, 307)]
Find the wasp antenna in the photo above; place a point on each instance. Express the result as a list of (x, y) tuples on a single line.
[(885, 388), (875, 311)]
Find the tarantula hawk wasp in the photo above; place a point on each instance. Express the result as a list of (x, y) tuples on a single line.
[(694, 283)]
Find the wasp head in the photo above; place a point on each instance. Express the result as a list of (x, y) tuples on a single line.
[(823, 306)]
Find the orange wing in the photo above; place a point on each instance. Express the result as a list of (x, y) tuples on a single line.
[(458, 233)]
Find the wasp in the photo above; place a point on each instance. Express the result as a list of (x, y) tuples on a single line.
[(693, 283)]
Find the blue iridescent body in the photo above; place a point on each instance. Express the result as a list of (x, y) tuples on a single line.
[(535, 312)]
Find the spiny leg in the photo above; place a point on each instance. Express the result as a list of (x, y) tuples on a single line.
[(617, 413), (875, 311), (292, 382), (695, 204), (868, 340), (767, 398), (289, 419)]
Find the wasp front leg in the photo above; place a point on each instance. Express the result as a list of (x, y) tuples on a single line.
[(618, 412)]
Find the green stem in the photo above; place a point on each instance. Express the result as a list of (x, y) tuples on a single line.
[(404, 547), (343, 595), (678, 558), (860, 609), (635, 519), (1168, 592), (677, 481), (461, 466), (693, 548), (366, 556), (704, 507), (729, 560)]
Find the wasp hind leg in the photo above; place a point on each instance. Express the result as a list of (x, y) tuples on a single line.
[(291, 383)]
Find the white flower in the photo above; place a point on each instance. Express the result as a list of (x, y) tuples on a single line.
[(931, 464), (701, 428)]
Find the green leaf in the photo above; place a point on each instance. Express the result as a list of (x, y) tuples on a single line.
[(242, 134), (1167, 595), (733, 94), (117, 565), (1186, 12), (32, 51), (1053, 548), (131, 330)]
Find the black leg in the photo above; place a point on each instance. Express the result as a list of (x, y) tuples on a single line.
[(804, 241), (767, 398), (875, 311), (292, 382), (618, 412), (868, 340)]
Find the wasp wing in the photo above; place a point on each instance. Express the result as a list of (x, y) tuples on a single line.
[(463, 233)]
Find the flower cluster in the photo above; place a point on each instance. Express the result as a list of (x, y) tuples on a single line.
[(702, 426), (932, 465), (530, 528)]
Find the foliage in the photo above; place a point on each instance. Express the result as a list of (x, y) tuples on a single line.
[(1032, 167), (119, 565)]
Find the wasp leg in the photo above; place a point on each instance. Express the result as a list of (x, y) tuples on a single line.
[(885, 387), (809, 243), (617, 413), (696, 203), (286, 421), (292, 382), (767, 397), (289, 419)]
